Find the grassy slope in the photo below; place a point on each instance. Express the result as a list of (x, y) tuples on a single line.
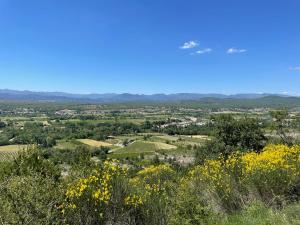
[(137, 147), (258, 214), (67, 144)]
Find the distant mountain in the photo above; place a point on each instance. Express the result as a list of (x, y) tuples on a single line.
[(13, 95), (270, 101)]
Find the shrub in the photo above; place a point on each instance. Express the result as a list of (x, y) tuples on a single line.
[(274, 171), (154, 185), (30, 200), (98, 198), (272, 174)]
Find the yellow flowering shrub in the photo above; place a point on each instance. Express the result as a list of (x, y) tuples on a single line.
[(94, 193), (213, 178), (273, 157), (98, 185), (154, 178), (156, 195), (133, 200), (153, 187), (272, 172), (201, 193)]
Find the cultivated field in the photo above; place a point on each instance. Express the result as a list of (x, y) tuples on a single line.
[(94, 143), (8, 152)]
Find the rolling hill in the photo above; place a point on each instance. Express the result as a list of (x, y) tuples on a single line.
[(14, 95)]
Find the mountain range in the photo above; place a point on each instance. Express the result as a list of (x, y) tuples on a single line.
[(14, 95)]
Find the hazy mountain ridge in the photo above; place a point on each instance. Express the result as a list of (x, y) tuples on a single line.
[(6, 94)]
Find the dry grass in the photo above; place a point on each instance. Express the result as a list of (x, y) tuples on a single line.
[(94, 143), (168, 137), (9, 152), (203, 137), (162, 146), (12, 148)]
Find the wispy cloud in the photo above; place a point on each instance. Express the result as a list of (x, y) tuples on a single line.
[(236, 50), (295, 68), (204, 51), (189, 44)]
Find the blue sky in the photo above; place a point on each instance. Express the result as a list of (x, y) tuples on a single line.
[(150, 46)]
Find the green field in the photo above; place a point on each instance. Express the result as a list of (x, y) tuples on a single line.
[(67, 144), (142, 147), (137, 147)]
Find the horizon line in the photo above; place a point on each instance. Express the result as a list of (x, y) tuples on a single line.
[(155, 93)]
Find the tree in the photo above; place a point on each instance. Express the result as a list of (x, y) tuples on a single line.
[(281, 125), (232, 134), (245, 133), (126, 142), (251, 134), (2, 124)]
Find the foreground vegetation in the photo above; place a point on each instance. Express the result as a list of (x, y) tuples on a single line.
[(247, 188), (125, 168)]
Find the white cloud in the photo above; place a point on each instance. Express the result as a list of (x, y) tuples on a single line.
[(189, 44), (204, 51), (284, 92), (235, 50), (295, 68)]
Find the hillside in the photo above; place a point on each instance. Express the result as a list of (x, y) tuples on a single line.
[(13, 95)]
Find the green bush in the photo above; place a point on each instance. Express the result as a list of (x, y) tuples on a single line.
[(30, 200)]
